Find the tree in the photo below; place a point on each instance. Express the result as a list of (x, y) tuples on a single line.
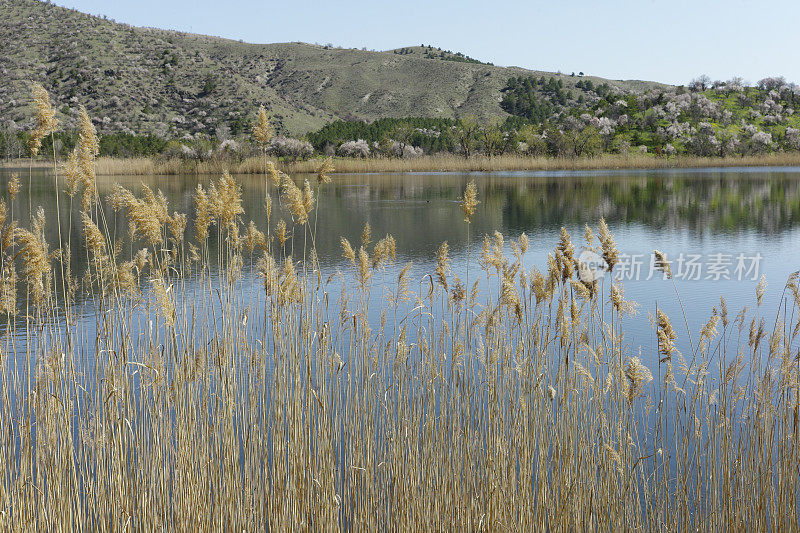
[(584, 141), (290, 148), (358, 148), (493, 140), (760, 142), (402, 134), (465, 134), (10, 144), (208, 87), (700, 83), (557, 145), (772, 83), (531, 142)]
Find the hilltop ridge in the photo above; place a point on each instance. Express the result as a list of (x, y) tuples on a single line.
[(170, 83)]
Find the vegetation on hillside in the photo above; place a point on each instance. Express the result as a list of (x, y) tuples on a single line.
[(435, 52), (173, 84), (721, 120), (717, 119), (708, 119), (384, 135)]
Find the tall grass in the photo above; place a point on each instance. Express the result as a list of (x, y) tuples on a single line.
[(160, 389), (437, 163)]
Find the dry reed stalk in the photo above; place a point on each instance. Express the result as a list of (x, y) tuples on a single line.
[(187, 401)]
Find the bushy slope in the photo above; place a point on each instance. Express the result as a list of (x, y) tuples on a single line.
[(171, 83), (712, 119)]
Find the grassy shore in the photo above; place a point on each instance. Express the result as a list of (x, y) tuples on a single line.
[(145, 166), (445, 163)]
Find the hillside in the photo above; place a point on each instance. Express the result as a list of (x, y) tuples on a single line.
[(143, 80)]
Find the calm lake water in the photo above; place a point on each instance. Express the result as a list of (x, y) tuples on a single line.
[(723, 228)]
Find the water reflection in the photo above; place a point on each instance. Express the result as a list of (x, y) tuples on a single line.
[(679, 211), (420, 209)]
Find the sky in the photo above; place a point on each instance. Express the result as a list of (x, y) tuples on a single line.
[(670, 42)]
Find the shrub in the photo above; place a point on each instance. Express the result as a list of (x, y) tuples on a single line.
[(358, 148), (290, 148)]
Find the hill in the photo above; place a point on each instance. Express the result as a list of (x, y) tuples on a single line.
[(145, 80)]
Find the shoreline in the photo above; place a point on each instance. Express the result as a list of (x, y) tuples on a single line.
[(142, 166)]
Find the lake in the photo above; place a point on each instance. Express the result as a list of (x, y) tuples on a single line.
[(722, 228)]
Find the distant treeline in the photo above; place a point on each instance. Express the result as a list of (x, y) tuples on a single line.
[(539, 98), (546, 118), (14, 145), (430, 134)]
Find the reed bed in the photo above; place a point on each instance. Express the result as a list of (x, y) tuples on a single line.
[(439, 163), (369, 399)]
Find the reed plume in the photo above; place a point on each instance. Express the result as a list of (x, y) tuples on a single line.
[(13, 186), (663, 264), (666, 336), (347, 251), (761, 289), (324, 170), (163, 297), (72, 173), (384, 251), (469, 201), (177, 226), (566, 255), (281, 233), (203, 213), (290, 291), (608, 246), (87, 149), (442, 265), (227, 201), (638, 377), (35, 258), (147, 216), (274, 174), (254, 238), (95, 241), (268, 270), (299, 201), (8, 290), (364, 267), (45, 118), (366, 235), (262, 130)]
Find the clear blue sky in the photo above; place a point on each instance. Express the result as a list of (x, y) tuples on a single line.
[(646, 39)]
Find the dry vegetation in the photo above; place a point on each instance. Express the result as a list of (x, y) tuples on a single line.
[(367, 400), (443, 163)]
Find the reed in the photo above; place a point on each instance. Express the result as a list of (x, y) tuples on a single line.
[(369, 399), (440, 163)]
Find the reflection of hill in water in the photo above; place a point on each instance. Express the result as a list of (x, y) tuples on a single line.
[(421, 210)]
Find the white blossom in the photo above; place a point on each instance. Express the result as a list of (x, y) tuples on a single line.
[(358, 148), (288, 147), (228, 145)]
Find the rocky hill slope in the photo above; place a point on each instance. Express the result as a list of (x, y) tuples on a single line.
[(144, 80)]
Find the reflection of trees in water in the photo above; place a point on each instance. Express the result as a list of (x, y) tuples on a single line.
[(718, 203), (421, 210)]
